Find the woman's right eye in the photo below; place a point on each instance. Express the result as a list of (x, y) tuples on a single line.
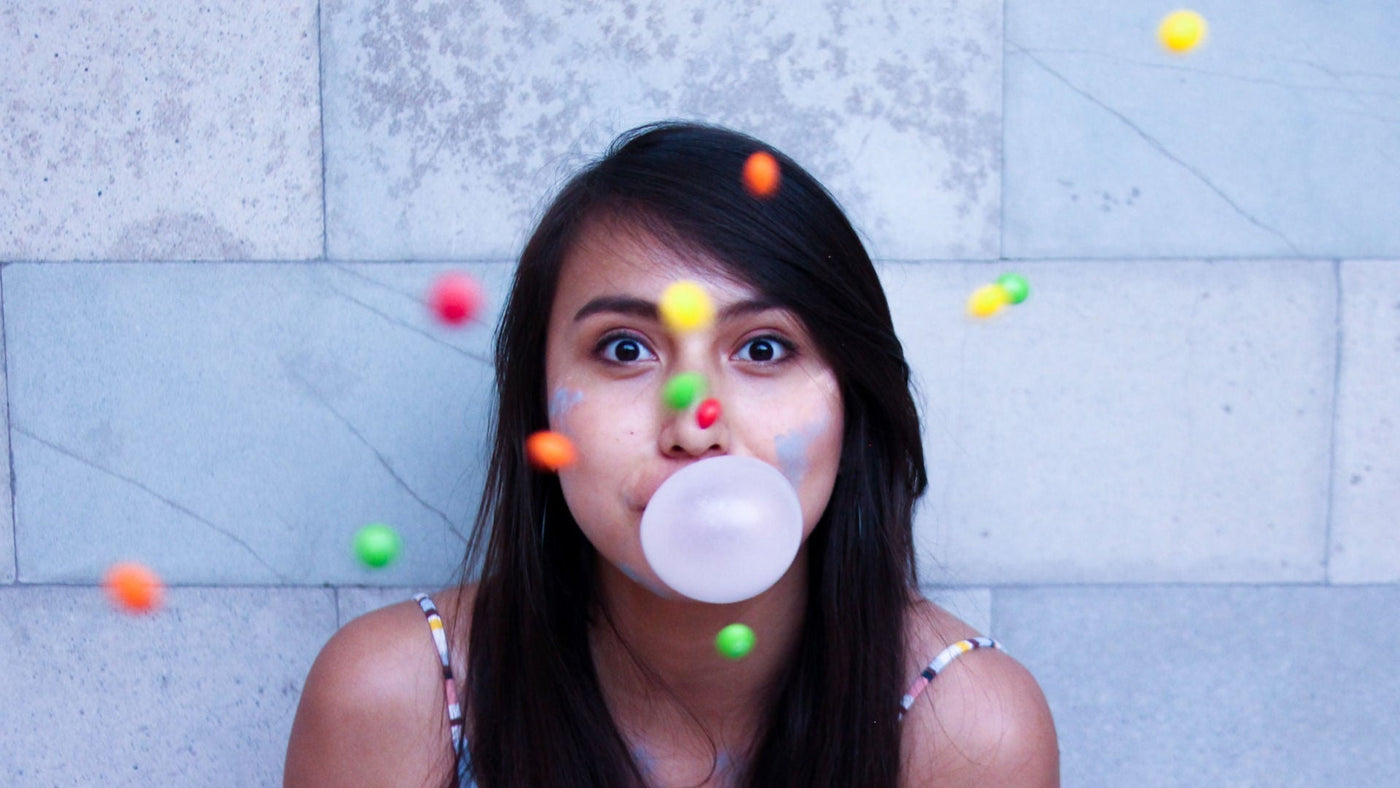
[(624, 350)]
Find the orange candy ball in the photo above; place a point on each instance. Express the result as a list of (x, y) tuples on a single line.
[(133, 587), (550, 451), (762, 175)]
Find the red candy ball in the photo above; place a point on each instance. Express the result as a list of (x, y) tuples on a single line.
[(455, 298), (707, 413)]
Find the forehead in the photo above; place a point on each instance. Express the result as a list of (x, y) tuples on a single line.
[(617, 258)]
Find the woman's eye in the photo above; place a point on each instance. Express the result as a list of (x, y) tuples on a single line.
[(764, 350), (624, 350)]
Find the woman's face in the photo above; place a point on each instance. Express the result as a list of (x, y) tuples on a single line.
[(608, 354)]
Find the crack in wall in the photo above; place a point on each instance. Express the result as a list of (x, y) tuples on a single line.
[(379, 456), (1160, 148), (185, 510), (477, 357)]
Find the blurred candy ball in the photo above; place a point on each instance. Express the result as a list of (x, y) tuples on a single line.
[(987, 300), (377, 544), (1016, 287), (723, 529), (734, 641), (455, 298), (707, 414), (133, 588), (1182, 31), (682, 390), (549, 451), (762, 175), (685, 306)]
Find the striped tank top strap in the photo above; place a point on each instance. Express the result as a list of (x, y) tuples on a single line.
[(947, 655), (454, 708)]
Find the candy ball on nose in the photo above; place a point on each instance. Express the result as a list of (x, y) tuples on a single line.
[(723, 529)]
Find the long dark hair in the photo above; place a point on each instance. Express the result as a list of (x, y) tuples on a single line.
[(532, 695)]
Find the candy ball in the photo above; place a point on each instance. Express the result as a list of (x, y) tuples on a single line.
[(707, 414), (722, 529), (549, 451), (133, 587), (1182, 31), (455, 298), (734, 641), (986, 301), (683, 389), (762, 175), (685, 306), (1015, 286), (377, 544)]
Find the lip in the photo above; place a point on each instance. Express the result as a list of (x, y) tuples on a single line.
[(645, 484)]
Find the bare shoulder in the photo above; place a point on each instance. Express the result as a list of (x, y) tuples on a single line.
[(983, 720), (372, 711)]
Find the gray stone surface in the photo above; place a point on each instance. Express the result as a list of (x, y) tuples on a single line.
[(201, 693), (237, 423), (447, 125), (1276, 138), (164, 130), (1365, 544), (972, 605), (1129, 422), (1173, 686), (7, 513), (355, 601)]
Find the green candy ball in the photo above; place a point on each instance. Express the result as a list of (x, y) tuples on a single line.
[(377, 544), (682, 390), (1015, 286), (734, 641)]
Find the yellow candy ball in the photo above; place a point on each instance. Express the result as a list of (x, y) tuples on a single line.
[(1182, 31), (987, 300), (686, 307)]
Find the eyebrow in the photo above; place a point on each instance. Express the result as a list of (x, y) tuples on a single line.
[(640, 307)]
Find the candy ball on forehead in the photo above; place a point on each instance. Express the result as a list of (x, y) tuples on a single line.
[(723, 529), (685, 307)]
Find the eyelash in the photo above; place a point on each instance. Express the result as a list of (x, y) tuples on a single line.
[(617, 336), (789, 350)]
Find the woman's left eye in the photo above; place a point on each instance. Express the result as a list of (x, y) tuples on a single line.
[(764, 350)]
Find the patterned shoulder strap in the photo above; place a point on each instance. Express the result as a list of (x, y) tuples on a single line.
[(454, 708), (938, 664)]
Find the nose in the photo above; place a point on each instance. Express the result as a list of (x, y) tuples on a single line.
[(682, 435)]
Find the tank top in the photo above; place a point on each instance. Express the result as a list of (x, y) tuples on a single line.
[(454, 706)]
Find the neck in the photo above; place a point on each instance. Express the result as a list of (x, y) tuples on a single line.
[(660, 672)]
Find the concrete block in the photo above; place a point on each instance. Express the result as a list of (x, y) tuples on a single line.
[(1275, 138), (162, 130), (355, 601), (972, 605), (202, 692), (238, 423), (7, 513), (1365, 545), (1167, 686), (448, 126), (1158, 421)]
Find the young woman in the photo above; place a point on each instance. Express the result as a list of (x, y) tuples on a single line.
[(577, 665)]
